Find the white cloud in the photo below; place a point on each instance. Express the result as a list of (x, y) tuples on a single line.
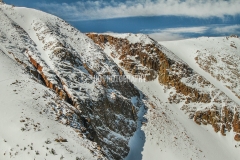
[(181, 30), (234, 29), (170, 34), (103, 10), (164, 36)]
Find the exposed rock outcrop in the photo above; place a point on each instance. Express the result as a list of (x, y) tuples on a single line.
[(140, 55), (220, 121), (136, 58), (148, 59), (237, 137)]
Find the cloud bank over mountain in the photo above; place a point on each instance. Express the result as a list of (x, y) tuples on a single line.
[(85, 10), (184, 32)]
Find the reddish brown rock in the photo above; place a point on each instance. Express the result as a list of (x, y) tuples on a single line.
[(150, 56), (237, 137), (62, 94)]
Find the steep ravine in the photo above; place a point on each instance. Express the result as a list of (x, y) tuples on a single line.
[(203, 103)]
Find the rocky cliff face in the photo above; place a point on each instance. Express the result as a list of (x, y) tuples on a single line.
[(149, 60), (139, 54), (69, 63), (136, 58)]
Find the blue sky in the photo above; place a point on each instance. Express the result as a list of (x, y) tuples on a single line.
[(161, 19)]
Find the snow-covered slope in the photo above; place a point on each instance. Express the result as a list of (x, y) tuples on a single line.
[(215, 58), (63, 59), (28, 129), (170, 134)]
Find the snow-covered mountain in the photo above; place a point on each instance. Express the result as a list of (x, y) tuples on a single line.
[(52, 53), (59, 101), (176, 86)]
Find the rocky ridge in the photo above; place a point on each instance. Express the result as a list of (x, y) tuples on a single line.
[(45, 48), (135, 56), (203, 103)]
